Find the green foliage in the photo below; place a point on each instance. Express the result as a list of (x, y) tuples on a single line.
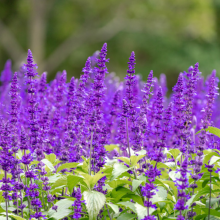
[(94, 202)]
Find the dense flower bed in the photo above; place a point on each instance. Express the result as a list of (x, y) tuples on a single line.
[(98, 148)]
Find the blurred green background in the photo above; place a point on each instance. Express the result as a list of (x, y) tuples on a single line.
[(167, 36)]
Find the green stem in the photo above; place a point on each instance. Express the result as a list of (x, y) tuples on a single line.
[(90, 155), (210, 194), (6, 204), (129, 151), (108, 212)]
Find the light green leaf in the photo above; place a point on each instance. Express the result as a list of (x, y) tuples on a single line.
[(92, 180), (16, 217), (62, 210), (142, 211), (174, 153), (135, 159), (111, 147), (209, 156), (94, 202), (129, 205), (72, 181), (125, 159), (67, 166), (54, 178), (116, 183), (141, 152), (214, 159), (173, 175), (62, 181), (118, 169), (201, 193), (161, 195), (136, 184), (114, 208), (190, 201), (48, 164), (126, 216), (213, 201), (212, 212), (51, 157), (213, 130)]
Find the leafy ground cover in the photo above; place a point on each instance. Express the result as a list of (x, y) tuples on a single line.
[(98, 148)]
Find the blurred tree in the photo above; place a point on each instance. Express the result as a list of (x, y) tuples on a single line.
[(167, 36)]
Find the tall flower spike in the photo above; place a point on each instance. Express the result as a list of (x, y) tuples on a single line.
[(30, 68), (6, 74)]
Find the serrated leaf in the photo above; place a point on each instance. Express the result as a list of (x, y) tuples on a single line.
[(94, 202), (114, 208), (72, 181), (136, 184), (92, 180), (142, 211), (118, 169), (67, 166), (125, 159), (135, 159), (209, 156), (214, 159), (174, 153), (62, 210), (51, 157), (128, 204), (48, 164), (173, 175), (161, 195), (62, 181)]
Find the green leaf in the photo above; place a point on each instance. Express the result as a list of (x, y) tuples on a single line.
[(213, 201), (51, 157), (67, 166), (126, 216), (213, 130), (136, 184), (54, 178), (125, 159), (62, 181), (16, 217), (118, 169), (111, 147), (201, 193), (62, 210), (48, 164), (128, 204), (94, 202), (92, 180), (212, 212), (174, 153), (142, 211), (116, 183), (114, 208), (214, 159), (135, 159), (209, 156), (72, 181), (119, 192), (161, 195)]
